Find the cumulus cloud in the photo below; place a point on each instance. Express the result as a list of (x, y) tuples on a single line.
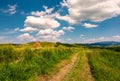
[(56, 33), (28, 29), (88, 25), (67, 18), (42, 19), (45, 22), (50, 34), (69, 28), (25, 36), (79, 11), (93, 10), (41, 22)]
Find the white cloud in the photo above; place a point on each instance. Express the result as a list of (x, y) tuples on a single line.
[(17, 29), (28, 29), (92, 40), (82, 35), (45, 22), (47, 12), (42, 19), (88, 25), (46, 32), (69, 39), (49, 38), (116, 37), (93, 10), (38, 13), (113, 38), (50, 34), (69, 28), (67, 18), (11, 9), (25, 36), (64, 3), (42, 22)]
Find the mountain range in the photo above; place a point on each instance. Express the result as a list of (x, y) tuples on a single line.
[(104, 43)]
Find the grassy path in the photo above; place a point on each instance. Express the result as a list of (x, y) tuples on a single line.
[(81, 70), (62, 71)]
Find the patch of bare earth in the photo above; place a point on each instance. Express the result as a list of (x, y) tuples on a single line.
[(61, 72), (86, 72)]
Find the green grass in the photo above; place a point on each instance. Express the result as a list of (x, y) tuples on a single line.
[(105, 65), (26, 64)]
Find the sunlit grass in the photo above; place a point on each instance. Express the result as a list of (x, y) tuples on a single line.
[(22, 64), (105, 65), (26, 63)]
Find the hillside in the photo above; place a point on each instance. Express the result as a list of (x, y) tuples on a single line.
[(105, 43)]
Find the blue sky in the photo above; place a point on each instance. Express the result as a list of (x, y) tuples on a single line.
[(68, 21)]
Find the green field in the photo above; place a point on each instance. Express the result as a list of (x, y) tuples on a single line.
[(27, 62), (105, 64)]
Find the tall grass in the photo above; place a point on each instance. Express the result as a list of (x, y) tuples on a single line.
[(105, 65), (8, 53), (27, 63)]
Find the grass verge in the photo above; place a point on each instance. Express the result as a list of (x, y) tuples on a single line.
[(105, 65)]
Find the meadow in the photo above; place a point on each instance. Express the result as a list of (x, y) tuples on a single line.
[(26, 62), (23, 63), (105, 64)]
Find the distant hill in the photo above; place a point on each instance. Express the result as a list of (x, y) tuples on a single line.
[(105, 43), (41, 44), (52, 44)]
